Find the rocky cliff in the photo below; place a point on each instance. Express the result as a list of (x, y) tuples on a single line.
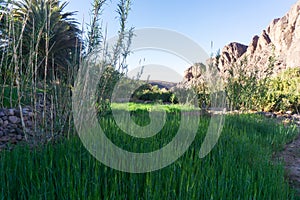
[(280, 40)]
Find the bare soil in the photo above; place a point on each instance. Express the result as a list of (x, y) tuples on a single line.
[(291, 153), (291, 158)]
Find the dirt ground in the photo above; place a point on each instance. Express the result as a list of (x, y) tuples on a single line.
[(291, 157), (291, 153)]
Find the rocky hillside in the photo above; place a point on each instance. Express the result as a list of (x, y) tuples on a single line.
[(280, 40), (193, 76)]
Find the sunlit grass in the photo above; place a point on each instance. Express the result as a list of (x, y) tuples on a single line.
[(152, 107)]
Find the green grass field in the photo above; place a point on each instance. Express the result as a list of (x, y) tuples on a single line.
[(241, 165)]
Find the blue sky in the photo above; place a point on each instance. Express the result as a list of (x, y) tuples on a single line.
[(203, 21)]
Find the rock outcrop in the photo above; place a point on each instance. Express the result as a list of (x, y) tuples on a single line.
[(231, 54), (194, 75), (280, 41)]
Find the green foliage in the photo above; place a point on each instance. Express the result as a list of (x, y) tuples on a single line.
[(105, 88), (246, 88), (10, 97), (202, 87), (239, 167), (152, 107), (203, 93), (147, 92), (258, 91), (95, 35), (284, 91), (44, 28), (240, 86), (115, 66), (40, 51)]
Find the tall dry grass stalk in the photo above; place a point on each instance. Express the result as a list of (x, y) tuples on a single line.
[(30, 69), (22, 84)]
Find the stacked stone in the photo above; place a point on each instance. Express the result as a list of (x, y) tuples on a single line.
[(11, 129), (286, 118)]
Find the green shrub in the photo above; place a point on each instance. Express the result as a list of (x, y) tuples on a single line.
[(284, 91), (147, 92)]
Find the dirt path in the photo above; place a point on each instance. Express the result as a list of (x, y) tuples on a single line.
[(291, 155)]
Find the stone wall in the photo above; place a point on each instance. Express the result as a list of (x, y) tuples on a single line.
[(11, 129)]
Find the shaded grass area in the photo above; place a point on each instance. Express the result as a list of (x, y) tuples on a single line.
[(239, 167)]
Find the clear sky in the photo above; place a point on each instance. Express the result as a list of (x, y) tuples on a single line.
[(204, 21), (220, 21)]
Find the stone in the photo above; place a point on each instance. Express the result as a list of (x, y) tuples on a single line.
[(4, 139), (230, 54), (17, 113), (269, 115), (13, 140), (19, 131), (19, 137), (2, 114), (14, 119), (11, 112), (5, 132), (289, 112), (193, 75), (12, 130), (26, 109), (1, 133), (29, 123), (1, 122), (13, 126), (5, 123)]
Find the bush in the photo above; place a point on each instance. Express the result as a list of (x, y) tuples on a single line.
[(147, 92), (284, 91)]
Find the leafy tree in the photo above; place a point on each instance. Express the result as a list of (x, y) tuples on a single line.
[(284, 91), (246, 87)]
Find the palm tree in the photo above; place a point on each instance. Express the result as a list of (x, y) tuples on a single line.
[(3, 15), (52, 33)]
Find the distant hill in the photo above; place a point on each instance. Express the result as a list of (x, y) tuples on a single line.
[(162, 84)]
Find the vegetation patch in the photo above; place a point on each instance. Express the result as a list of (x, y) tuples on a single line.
[(239, 167)]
